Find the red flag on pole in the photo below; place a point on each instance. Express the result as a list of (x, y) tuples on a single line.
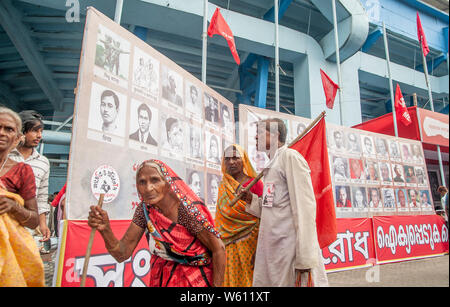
[(219, 26), (313, 147), (400, 108), (330, 89), (421, 36)]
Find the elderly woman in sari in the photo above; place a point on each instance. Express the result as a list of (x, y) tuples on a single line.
[(238, 228), (20, 261), (186, 248)]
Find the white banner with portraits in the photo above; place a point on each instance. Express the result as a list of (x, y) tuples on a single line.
[(373, 174), (134, 104)]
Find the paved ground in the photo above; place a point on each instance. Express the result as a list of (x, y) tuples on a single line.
[(430, 272)]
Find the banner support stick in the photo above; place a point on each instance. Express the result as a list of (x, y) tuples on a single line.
[(89, 247), (261, 174)]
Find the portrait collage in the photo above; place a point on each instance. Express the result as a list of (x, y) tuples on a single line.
[(377, 174), (372, 174), (142, 102)]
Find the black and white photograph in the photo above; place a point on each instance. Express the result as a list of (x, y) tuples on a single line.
[(195, 180), (416, 152), (340, 169), (145, 75), (385, 172), (193, 99), (421, 176), (338, 140), (353, 143), (213, 150), (195, 142), (211, 105), (107, 112), (388, 199), (112, 57), (394, 151), (359, 198), (368, 146), (405, 150), (172, 136), (226, 121), (382, 148), (212, 188), (144, 123), (172, 88)]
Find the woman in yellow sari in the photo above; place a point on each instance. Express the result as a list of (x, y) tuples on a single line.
[(20, 262), (238, 229)]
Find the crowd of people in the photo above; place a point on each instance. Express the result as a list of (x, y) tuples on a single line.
[(267, 238)]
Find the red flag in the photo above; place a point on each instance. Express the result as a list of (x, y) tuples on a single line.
[(313, 147), (58, 197), (400, 108), (330, 89), (422, 38), (219, 26)]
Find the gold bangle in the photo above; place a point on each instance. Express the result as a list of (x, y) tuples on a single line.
[(29, 216)]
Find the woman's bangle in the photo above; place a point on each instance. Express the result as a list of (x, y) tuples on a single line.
[(29, 216)]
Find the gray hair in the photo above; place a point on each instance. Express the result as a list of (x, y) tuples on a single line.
[(14, 116)]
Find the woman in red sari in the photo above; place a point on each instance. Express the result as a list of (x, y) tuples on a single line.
[(186, 248)]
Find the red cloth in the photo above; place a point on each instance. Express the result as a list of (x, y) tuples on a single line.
[(20, 180), (192, 265), (421, 36), (400, 108), (58, 197), (219, 26), (257, 189), (330, 89), (347, 204), (313, 147)]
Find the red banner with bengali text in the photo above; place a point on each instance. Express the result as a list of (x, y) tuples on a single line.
[(103, 269), (354, 245), (399, 238)]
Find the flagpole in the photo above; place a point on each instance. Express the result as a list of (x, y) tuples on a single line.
[(391, 86), (204, 39), (277, 61), (118, 12), (430, 97), (338, 60), (260, 175)]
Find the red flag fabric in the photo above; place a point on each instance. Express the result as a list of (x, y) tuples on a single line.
[(313, 147), (219, 26), (58, 197), (400, 108), (330, 89), (421, 36)]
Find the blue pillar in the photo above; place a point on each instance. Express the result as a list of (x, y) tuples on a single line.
[(141, 32), (261, 82)]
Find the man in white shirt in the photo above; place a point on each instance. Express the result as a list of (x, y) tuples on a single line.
[(32, 127), (143, 134), (288, 249)]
